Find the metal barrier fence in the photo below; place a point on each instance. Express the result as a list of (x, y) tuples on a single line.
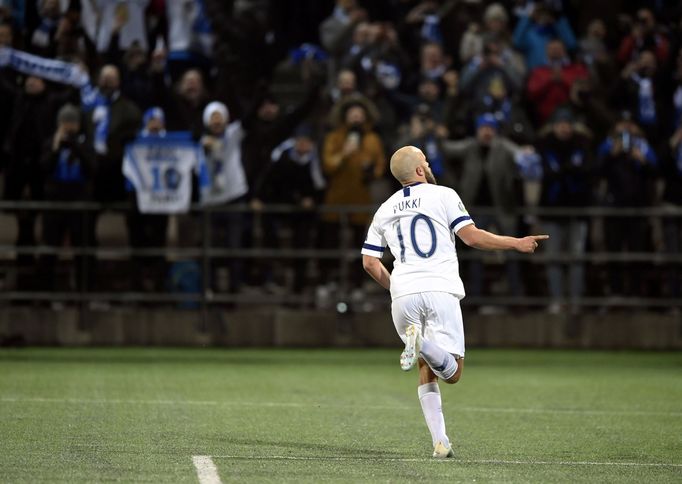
[(345, 254)]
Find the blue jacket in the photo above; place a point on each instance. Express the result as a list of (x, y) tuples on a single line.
[(531, 39)]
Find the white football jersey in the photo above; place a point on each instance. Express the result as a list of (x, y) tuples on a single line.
[(160, 169), (419, 223)]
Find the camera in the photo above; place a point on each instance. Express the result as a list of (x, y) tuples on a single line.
[(68, 141)]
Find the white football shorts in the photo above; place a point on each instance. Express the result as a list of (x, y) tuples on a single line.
[(438, 314)]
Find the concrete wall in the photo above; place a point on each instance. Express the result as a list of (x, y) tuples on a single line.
[(288, 328)]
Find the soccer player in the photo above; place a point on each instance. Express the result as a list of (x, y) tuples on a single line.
[(418, 223)]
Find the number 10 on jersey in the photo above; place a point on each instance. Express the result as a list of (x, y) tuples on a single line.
[(413, 237)]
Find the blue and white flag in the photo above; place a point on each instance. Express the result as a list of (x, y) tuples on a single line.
[(160, 169)]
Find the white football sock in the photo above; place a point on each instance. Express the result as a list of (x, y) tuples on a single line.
[(429, 397), (440, 361)]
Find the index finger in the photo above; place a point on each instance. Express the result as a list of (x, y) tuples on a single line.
[(540, 237)]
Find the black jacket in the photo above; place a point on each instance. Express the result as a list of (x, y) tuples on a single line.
[(263, 136), (287, 181), (568, 171), (33, 120), (68, 171)]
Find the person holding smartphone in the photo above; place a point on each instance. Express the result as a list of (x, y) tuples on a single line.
[(352, 158)]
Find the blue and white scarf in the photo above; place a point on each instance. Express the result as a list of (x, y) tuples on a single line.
[(646, 104), (50, 69), (101, 119), (92, 100), (42, 36), (677, 102), (430, 31)]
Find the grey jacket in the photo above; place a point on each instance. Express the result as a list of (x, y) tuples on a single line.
[(500, 168)]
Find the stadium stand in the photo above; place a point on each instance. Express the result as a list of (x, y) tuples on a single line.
[(583, 109)]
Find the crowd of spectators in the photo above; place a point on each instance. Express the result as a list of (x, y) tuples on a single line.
[(554, 103)]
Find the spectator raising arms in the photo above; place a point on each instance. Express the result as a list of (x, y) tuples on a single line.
[(223, 181), (495, 26), (645, 35), (534, 32), (267, 126), (549, 84), (294, 177), (636, 91)]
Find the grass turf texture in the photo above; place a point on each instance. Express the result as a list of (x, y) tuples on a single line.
[(84, 415)]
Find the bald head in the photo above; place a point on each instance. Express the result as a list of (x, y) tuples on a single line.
[(408, 165), (109, 80)]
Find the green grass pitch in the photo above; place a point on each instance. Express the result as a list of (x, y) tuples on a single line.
[(139, 415)]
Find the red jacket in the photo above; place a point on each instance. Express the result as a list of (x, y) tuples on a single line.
[(548, 93), (630, 44)]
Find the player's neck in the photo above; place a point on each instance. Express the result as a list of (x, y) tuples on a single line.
[(413, 182)]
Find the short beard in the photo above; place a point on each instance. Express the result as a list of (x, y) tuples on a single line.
[(430, 178)]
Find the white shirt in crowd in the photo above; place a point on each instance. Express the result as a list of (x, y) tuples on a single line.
[(188, 27), (98, 16), (223, 179)]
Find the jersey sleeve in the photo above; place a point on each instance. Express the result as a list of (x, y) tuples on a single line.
[(457, 213), (375, 243)]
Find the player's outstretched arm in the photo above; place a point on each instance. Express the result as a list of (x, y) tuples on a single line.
[(484, 240), (376, 269)]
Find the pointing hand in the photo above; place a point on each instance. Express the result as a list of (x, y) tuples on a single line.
[(527, 245)]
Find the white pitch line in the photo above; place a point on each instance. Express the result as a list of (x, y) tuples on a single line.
[(578, 411), (206, 469), (453, 461), (113, 401), (306, 405)]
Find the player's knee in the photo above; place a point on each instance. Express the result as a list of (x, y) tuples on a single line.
[(453, 379)]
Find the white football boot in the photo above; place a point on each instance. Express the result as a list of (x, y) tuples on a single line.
[(413, 345), (442, 452)]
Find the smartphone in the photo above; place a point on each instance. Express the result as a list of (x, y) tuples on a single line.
[(354, 138)]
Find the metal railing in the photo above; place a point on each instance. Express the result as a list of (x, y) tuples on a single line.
[(345, 254)]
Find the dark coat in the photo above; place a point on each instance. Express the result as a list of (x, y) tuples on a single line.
[(76, 185), (568, 170), (33, 118), (263, 136), (124, 123), (500, 170)]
